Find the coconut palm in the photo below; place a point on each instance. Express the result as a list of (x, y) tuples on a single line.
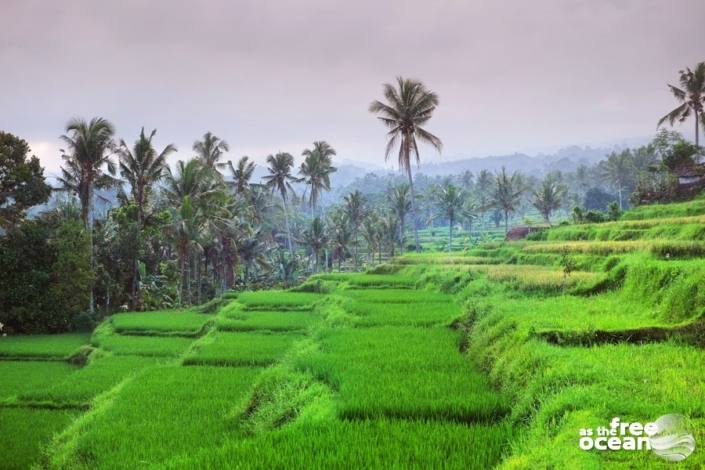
[(401, 205), (141, 167), (372, 233), (355, 211), (340, 239), (389, 231), (316, 239), (408, 107), (691, 95), (549, 196), (316, 170), (89, 145), (507, 193), (279, 179), (210, 150), (242, 174), (618, 169), (450, 200)]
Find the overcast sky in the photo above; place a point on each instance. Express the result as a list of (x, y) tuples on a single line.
[(267, 76)]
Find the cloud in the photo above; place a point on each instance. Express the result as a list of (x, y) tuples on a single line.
[(269, 76)]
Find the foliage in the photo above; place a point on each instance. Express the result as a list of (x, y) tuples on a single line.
[(22, 182)]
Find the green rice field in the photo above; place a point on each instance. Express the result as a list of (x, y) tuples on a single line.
[(491, 356)]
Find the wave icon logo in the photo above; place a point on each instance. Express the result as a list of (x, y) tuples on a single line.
[(673, 440)]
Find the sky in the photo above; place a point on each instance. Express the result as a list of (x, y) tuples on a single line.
[(268, 76)]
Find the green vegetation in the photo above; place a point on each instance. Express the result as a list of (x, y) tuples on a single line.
[(236, 349), (184, 323), (282, 300), (42, 346), (264, 320)]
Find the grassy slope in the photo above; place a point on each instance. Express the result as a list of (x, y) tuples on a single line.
[(372, 374)]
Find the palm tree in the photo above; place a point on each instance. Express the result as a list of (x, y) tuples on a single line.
[(316, 170), (507, 194), (252, 251), (279, 179), (89, 146), (549, 197), (210, 150), (692, 96), (450, 200), (372, 233), (389, 231), (340, 227), (242, 174), (408, 107), (401, 206), (355, 211), (618, 170), (316, 239), (141, 167)]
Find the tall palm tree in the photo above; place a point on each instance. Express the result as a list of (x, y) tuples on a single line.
[(242, 174), (89, 145), (340, 239), (401, 206), (279, 179), (141, 167), (692, 96), (408, 107), (549, 197), (210, 150), (507, 193), (355, 211), (316, 239), (372, 233), (618, 171), (316, 170), (450, 200), (389, 231)]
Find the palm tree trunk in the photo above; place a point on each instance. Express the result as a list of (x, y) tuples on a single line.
[(413, 210), (91, 301), (401, 237), (450, 234), (355, 251), (697, 130), (506, 222), (288, 229)]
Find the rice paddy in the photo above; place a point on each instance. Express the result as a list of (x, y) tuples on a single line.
[(493, 357)]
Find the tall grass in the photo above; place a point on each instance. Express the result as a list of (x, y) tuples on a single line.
[(236, 349), (42, 346), (177, 323)]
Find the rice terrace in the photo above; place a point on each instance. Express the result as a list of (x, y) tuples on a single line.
[(417, 290)]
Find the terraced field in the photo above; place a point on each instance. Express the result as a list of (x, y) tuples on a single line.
[(491, 357)]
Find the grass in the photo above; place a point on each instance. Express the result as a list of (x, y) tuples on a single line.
[(417, 314), (238, 349), (42, 346), (662, 248), (166, 412), (370, 281), (98, 376), (17, 377), (266, 320), (402, 372), (177, 323), (363, 444), (397, 296), (278, 300), (140, 345), (24, 431)]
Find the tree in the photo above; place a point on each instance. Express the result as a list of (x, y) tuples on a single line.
[(355, 211), (210, 150), (450, 200), (279, 179), (340, 226), (618, 169), (507, 193), (89, 145), (389, 230), (691, 95), (21, 180), (372, 233), (316, 170), (549, 197), (142, 167), (316, 239), (242, 174), (408, 107), (401, 206)]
